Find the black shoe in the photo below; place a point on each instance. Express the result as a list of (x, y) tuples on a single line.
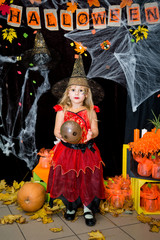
[(69, 216), (89, 221), (51, 202)]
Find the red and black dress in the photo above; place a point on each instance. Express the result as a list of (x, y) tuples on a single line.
[(76, 174)]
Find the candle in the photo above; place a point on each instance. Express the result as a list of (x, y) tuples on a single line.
[(136, 134), (143, 132)]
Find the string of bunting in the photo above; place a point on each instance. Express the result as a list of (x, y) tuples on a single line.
[(83, 17)]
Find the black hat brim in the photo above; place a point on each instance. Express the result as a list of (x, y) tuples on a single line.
[(97, 91)]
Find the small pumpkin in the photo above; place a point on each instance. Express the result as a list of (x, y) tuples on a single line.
[(31, 196)]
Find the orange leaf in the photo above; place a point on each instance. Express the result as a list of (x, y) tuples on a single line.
[(93, 2), (71, 7), (2, 1), (79, 48), (126, 3), (37, 1)]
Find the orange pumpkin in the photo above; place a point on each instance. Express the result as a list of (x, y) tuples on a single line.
[(31, 196)]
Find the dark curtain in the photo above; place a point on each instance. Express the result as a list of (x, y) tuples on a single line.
[(116, 122)]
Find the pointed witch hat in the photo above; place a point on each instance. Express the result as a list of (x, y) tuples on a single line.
[(40, 56), (78, 77)]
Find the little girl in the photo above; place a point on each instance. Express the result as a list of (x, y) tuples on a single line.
[(76, 174)]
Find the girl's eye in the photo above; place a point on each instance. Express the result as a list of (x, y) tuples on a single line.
[(81, 91), (72, 89)]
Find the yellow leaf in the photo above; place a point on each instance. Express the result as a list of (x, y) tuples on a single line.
[(144, 219), (154, 228), (55, 208), (145, 35), (8, 198), (9, 34), (97, 235), (42, 214), (16, 185), (56, 229), (21, 220), (47, 220), (12, 218), (155, 222), (2, 185)]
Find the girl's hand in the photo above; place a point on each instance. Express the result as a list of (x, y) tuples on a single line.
[(89, 135)]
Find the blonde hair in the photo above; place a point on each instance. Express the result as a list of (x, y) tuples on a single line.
[(88, 102)]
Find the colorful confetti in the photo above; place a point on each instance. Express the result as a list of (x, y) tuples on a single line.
[(25, 35)]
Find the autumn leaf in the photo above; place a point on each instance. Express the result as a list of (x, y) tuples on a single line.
[(37, 1), (2, 185), (46, 220), (79, 48), (96, 235), (93, 2), (126, 3), (9, 34), (72, 7), (144, 219), (154, 228), (4, 8), (56, 229), (8, 198), (12, 218), (17, 185), (2, 1)]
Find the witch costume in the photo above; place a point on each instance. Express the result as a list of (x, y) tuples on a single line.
[(76, 173)]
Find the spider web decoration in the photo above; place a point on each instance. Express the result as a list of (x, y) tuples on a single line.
[(22, 145), (134, 65)]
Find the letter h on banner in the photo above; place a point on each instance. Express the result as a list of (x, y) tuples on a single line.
[(14, 16)]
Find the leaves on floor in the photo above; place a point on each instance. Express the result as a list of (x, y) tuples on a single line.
[(153, 222), (96, 235), (9, 194), (9, 219), (107, 207), (56, 229)]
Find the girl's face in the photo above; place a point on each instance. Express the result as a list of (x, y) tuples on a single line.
[(77, 94)]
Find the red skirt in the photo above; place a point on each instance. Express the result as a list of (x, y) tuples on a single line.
[(76, 175)]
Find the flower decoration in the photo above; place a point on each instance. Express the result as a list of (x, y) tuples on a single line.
[(79, 48), (125, 3), (105, 45), (72, 6), (93, 2), (149, 144), (140, 33), (9, 34), (4, 8)]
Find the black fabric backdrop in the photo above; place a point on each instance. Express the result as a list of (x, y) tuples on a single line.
[(116, 119)]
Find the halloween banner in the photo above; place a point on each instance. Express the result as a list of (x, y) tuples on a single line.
[(98, 17)]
